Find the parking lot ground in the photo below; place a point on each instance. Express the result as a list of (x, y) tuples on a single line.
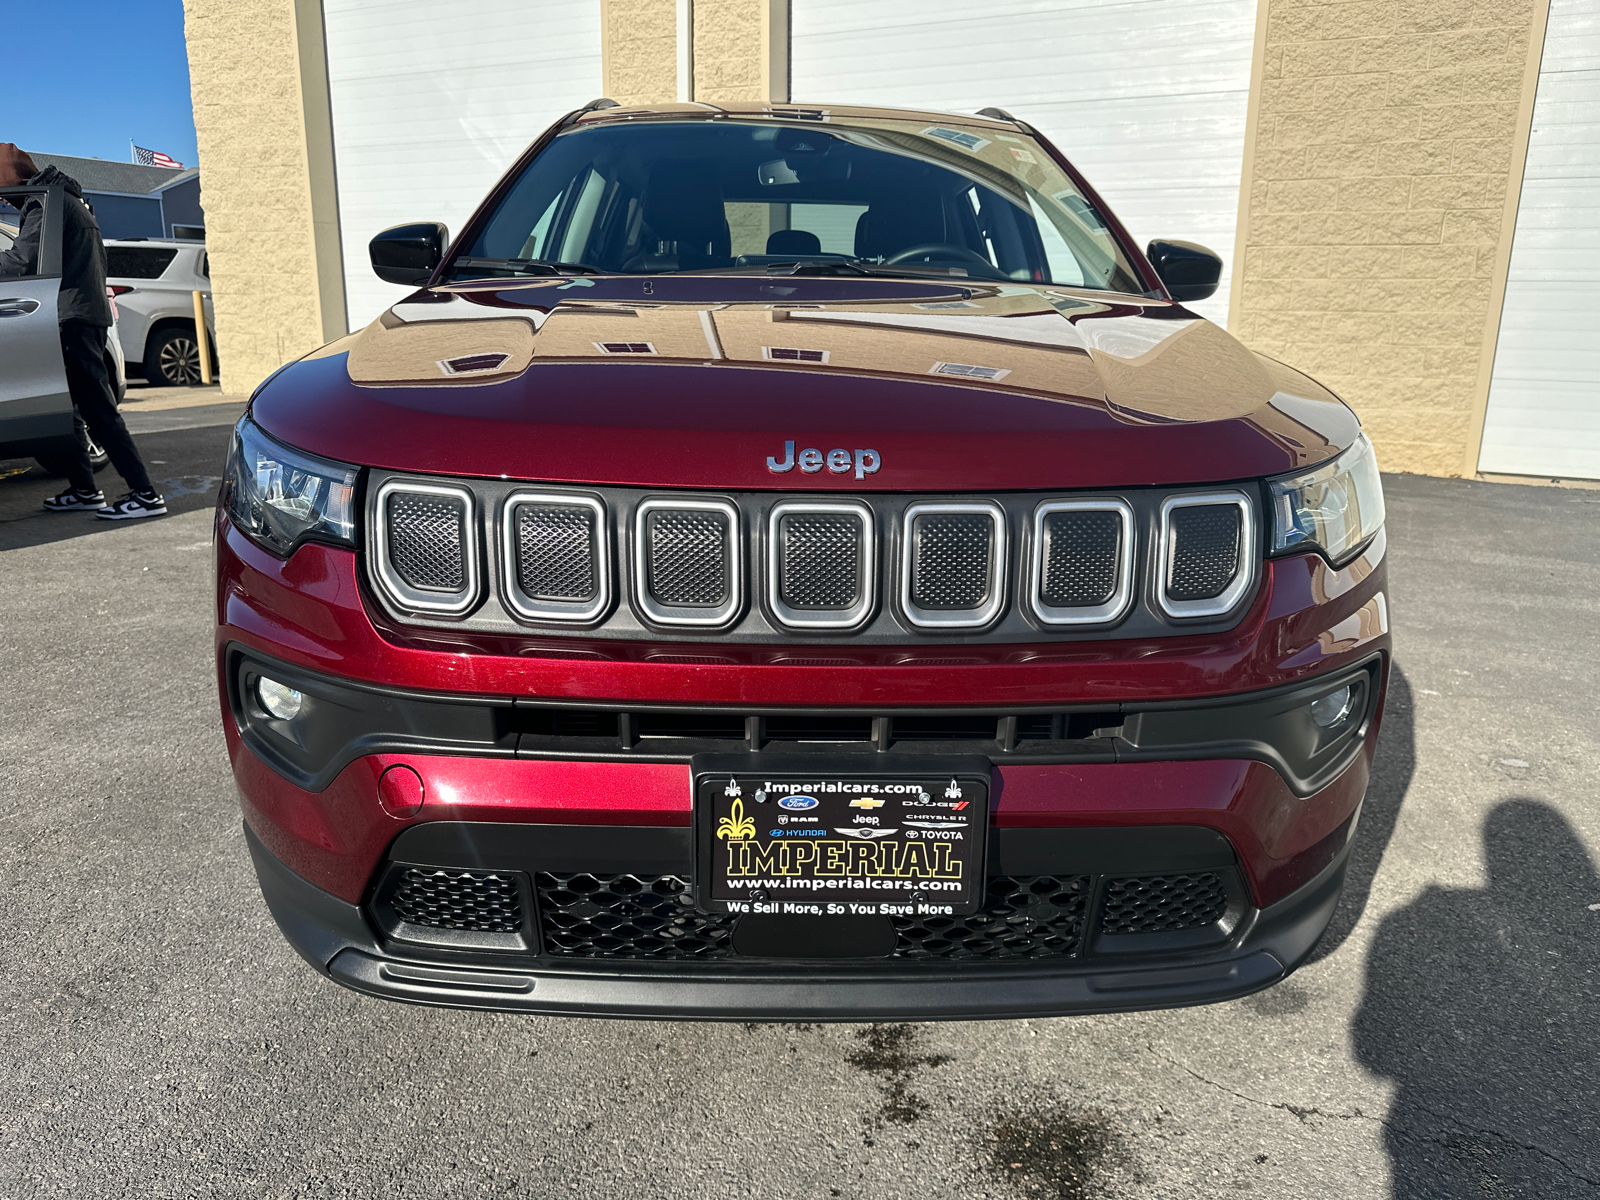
[(162, 1040)]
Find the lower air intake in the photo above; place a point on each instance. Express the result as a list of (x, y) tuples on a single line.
[(1037, 916), (653, 917), (1203, 551), (1163, 903), (439, 898), (627, 916), (427, 540)]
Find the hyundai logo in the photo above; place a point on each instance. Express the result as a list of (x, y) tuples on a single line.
[(796, 803)]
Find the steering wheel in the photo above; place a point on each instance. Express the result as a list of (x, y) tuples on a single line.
[(942, 249)]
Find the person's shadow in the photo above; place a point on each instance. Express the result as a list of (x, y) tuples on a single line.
[(1484, 1007), (1392, 768)]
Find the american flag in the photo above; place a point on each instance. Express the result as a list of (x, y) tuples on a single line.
[(154, 158)]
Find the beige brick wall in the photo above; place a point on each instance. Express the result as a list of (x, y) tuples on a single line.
[(260, 112), (1380, 198), (741, 50), (639, 50)]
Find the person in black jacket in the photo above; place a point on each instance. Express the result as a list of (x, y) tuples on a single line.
[(85, 316)]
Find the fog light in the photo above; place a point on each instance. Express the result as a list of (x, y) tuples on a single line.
[(279, 699), (1333, 708)]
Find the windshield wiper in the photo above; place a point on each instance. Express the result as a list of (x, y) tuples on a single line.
[(526, 266)]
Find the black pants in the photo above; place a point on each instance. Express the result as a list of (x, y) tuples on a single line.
[(83, 350)]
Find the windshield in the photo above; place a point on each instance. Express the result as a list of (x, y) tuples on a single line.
[(848, 197)]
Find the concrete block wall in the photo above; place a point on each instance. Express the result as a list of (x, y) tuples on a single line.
[(1379, 203), (275, 276), (638, 50)]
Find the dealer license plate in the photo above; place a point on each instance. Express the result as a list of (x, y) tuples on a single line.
[(842, 845)]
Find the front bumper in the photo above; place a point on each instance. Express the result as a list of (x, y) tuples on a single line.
[(1263, 946)]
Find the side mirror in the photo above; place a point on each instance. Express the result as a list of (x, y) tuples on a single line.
[(1190, 272), (408, 254)]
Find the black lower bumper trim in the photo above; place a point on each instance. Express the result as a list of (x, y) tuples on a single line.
[(334, 937)]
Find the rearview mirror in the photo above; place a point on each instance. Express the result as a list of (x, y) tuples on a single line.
[(408, 254), (1189, 271)]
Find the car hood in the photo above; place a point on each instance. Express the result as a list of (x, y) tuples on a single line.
[(695, 381)]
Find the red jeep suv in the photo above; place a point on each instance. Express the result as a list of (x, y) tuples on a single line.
[(798, 563)]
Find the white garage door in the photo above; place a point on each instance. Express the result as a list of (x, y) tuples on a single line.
[(431, 104), (1147, 97), (1544, 399)]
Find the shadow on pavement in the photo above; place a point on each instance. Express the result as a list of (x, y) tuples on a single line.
[(1392, 769), (186, 464), (1483, 1006)]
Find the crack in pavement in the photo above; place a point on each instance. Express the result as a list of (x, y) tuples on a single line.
[(1303, 1114)]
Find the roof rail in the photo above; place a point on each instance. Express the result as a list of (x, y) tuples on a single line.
[(999, 114), (592, 106)]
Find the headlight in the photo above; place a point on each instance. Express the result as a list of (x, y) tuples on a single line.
[(282, 497), (1335, 508)]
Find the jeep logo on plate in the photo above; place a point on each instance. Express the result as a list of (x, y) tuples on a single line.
[(797, 802), (866, 462)]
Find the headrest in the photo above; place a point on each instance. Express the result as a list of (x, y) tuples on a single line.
[(898, 223), (683, 204), (793, 241)]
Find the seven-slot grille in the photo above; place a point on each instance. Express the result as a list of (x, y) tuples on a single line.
[(427, 541), (954, 574), (1205, 554), (822, 564), (426, 549), (557, 552), (951, 563), (1083, 564), (688, 565)]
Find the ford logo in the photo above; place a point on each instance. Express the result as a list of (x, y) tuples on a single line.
[(797, 802)]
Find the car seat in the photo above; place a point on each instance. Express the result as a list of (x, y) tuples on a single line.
[(686, 228), (793, 241)]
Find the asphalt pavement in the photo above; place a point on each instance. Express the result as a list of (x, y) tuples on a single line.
[(160, 1038)]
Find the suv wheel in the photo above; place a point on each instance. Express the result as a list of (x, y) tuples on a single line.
[(175, 357)]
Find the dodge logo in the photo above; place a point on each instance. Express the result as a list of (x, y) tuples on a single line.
[(866, 462)]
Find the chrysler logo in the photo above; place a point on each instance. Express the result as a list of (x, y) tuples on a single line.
[(810, 461)]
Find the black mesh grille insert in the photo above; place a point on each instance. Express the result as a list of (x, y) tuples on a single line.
[(950, 560), (638, 916), (439, 898), (627, 916), (688, 557), (819, 564), (1163, 903), (427, 540), (1203, 555), (556, 552), (1037, 916), (1081, 550)]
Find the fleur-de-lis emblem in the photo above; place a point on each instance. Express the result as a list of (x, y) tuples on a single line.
[(732, 789), (953, 792), (736, 827)]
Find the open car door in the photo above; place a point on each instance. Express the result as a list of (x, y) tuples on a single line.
[(35, 408)]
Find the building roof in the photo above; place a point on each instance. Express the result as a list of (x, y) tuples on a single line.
[(103, 175)]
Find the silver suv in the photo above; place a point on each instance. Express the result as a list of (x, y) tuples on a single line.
[(36, 414), (154, 281)]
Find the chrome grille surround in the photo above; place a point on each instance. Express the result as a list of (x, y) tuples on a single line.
[(537, 608), (424, 601), (954, 618), (1244, 564), (1038, 566), (700, 616), (866, 566)]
